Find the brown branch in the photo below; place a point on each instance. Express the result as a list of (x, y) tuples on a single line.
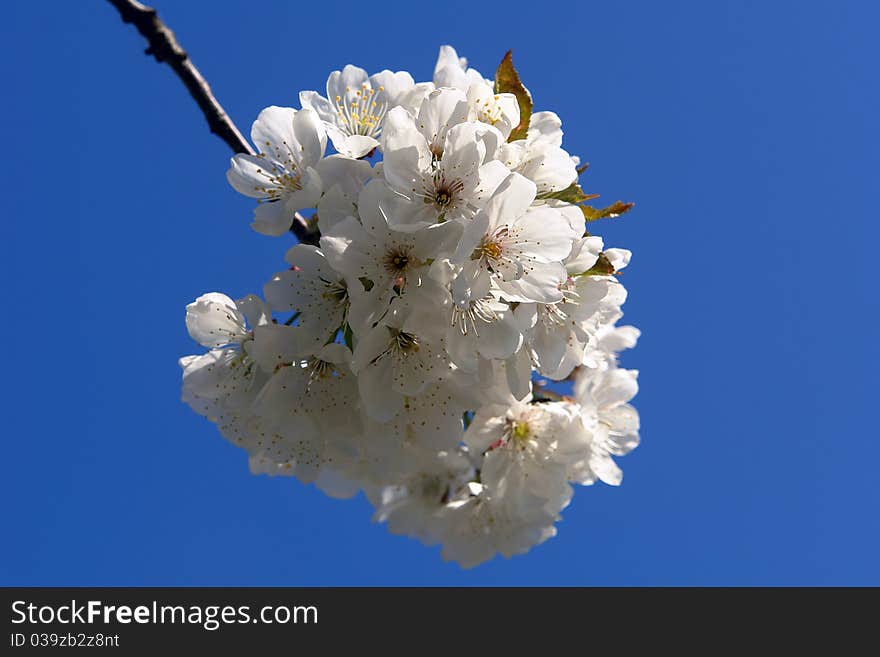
[(164, 47), (541, 393)]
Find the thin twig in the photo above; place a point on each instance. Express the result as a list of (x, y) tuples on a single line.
[(541, 393), (164, 47)]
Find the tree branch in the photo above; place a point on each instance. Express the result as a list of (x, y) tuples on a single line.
[(164, 47), (540, 393)]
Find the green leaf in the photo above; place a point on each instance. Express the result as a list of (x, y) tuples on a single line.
[(571, 194), (348, 337), (614, 210), (367, 283), (603, 267), (507, 82)]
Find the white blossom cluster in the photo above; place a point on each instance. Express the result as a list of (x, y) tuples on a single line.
[(406, 353)]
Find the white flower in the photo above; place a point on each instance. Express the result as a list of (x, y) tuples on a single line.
[(562, 334), (545, 130), (436, 161), (313, 289), (501, 111), (476, 328), (313, 400), (501, 380), (356, 105), (397, 359), (610, 422), (286, 451), (452, 70), (430, 419), (539, 157), (426, 424), (226, 375), (528, 448), (342, 179), (520, 248), (377, 262), (477, 529), (282, 174), (418, 506), (481, 328), (611, 339), (619, 258)]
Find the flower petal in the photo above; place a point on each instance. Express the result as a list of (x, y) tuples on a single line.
[(213, 320)]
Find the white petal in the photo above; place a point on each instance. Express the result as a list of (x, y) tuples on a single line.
[(622, 337), (462, 157), (606, 469), (545, 129), (308, 195), (511, 200), (472, 282), (205, 376), (544, 233), (255, 310), (623, 436), (314, 101), (540, 282), (247, 175), (619, 258), (412, 100), (276, 345), (405, 151), (486, 428), (499, 339), (550, 169), (353, 146), (512, 154), (519, 373), (336, 353), (450, 69), (272, 218), (616, 387), (350, 175), (381, 401), (440, 111), (310, 137), (333, 484), (473, 233), (395, 85), (550, 344), (448, 57), (213, 320), (584, 254), (347, 81), (491, 175), (340, 246), (436, 240), (273, 135)]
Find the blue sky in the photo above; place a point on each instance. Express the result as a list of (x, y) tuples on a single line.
[(745, 131)]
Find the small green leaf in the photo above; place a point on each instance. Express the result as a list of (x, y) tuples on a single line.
[(603, 267), (348, 337), (367, 283), (571, 194), (614, 210), (507, 82)]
